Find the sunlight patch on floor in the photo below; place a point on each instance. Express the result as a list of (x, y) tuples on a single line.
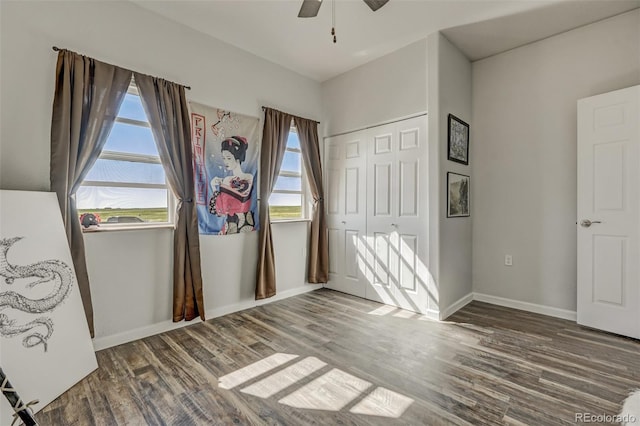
[(254, 370), (281, 380), (383, 402), (334, 390), (406, 314), (383, 310), (330, 392)]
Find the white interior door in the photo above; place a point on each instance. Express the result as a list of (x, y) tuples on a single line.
[(345, 185), (608, 212), (397, 225), (381, 269), (411, 225)]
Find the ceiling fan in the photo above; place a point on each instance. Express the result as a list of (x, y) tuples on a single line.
[(310, 8)]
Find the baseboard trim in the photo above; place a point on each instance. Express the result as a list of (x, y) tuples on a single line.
[(432, 314), (456, 306), (161, 327), (526, 306)]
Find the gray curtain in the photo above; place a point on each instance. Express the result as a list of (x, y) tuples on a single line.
[(274, 143), (166, 107), (318, 270), (88, 94)]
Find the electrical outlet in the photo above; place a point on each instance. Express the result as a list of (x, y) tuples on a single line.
[(508, 260)]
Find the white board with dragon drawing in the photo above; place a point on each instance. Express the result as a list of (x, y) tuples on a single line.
[(45, 346)]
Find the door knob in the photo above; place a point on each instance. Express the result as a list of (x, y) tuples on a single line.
[(585, 223)]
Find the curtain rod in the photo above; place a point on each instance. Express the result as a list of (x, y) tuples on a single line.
[(264, 107), (57, 49)]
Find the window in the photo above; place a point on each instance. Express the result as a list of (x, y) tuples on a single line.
[(127, 183), (287, 200)]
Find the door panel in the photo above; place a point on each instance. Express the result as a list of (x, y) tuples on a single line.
[(411, 218), (409, 138), (381, 197), (382, 190), (345, 183), (351, 253), (334, 247), (608, 176), (352, 191), (382, 142), (408, 189), (408, 248), (608, 188), (333, 189), (608, 277), (395, 205), (379, 276)]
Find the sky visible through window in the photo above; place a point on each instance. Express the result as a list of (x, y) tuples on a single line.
[(292, 162), (132, 139), (132, 108), (129, 139)]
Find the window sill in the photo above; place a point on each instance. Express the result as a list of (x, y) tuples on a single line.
[(289, 221), (116, 228)]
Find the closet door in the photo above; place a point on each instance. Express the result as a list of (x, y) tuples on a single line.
[(397, 225), (381, 270), (410, 240), (345, 159)]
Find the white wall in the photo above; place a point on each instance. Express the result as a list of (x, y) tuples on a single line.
[(130, 271), (523, 149), (450, 90), (390, 87)]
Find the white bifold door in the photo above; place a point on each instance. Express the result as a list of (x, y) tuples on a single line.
[(377, 214), (345, 192), (609, 212)]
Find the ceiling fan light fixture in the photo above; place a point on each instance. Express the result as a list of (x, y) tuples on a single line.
[(333, 20), (375, 4), (309, 8)]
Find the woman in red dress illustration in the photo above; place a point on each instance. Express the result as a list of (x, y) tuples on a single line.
[(232, 194)]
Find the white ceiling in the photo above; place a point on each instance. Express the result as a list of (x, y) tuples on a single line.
[(271, 29)]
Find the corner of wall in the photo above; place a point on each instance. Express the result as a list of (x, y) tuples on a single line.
[(456, 306), (434, 154), (449, 83)]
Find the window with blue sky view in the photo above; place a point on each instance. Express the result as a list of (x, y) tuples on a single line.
[(127, 183), (287, 199)]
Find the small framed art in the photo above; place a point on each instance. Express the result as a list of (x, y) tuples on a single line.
[(457, 195), (458, 146)]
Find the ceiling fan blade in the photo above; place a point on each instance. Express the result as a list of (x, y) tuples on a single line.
[(309, 8), (375, 4)]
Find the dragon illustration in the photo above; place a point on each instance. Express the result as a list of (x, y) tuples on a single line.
[(46, 271)]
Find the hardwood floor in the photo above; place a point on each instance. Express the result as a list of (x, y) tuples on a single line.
[(326, 358)]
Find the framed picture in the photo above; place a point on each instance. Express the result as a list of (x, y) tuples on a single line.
[(457, 195), (458, 147)]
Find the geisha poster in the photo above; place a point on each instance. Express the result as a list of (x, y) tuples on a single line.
[(225, 155)]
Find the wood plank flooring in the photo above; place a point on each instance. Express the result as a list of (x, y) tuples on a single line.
[(326, 358)]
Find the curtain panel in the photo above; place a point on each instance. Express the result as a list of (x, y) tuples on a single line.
[(318, 269), (87, 97), (166, 107), (274, 143)]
